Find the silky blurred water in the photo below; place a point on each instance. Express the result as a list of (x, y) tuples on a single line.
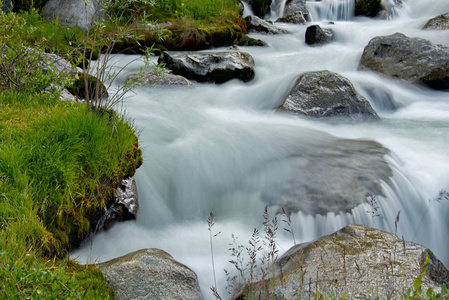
[(221, 148)]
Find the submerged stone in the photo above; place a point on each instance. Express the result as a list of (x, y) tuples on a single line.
[(331, 176)]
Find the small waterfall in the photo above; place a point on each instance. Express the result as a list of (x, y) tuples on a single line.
[(333, 10), (247, 11), (339, 9), (277, 9)]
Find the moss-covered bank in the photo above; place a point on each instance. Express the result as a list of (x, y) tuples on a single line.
[(59, 166)]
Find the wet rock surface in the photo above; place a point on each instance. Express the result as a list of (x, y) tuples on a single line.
[(254, 23), (325, 94), (295, 12), (315, 35), (438, 23), (360, 261), (125, 206), (413, 59), (150, 274), (218, 67), (164, 78)]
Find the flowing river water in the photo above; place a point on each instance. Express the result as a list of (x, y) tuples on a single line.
[(225, 149)]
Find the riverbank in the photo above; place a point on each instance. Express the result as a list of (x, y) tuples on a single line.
[(60, 163)]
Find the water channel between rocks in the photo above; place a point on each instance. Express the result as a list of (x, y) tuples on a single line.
[(224, 148)]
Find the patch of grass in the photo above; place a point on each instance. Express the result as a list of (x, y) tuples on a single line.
[(206, 11), (59, 165)]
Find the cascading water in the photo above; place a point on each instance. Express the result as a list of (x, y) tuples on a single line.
[(335, 10), (224, 148)]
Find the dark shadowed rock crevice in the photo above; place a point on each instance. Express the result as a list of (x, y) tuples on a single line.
[(368, 8)]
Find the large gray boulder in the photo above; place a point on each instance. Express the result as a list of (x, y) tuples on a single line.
[(295, 12), (71, 13), (150, 274), (54, 63), (165, 78), (413, 59), (368, 8), (315, 35), (330, 175), (218, 67), (325, 94), (359, 261), (438, 23), (254, 23)]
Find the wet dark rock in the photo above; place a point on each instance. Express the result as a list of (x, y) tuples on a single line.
[(295, 12), (164, 78), (254, 23), (260, 7), (359, 261), (368, 8), (438, 23), (249, 41), (150, 274), (324, 94), (317, 35), (413, 59), (124, 208), (218, 67)]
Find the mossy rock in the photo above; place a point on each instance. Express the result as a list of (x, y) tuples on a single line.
[(202, 38), (78, 88)]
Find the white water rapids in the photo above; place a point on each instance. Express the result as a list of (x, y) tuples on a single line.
[(221, 148)]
